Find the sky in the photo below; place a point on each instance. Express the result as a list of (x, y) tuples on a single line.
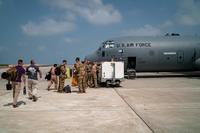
[(49, 31)]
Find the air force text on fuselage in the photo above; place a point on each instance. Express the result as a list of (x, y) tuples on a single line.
[(141, 44)]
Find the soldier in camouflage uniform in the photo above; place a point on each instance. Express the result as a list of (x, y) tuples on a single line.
[(62, 78), (86, 73), (94, 74), (90, 79), (81, 69)]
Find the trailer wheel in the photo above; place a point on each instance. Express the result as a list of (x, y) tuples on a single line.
[(107, 83), (117, 83)]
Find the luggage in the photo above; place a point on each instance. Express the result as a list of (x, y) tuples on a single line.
[(57, 71), (67, 89), (48, 76), (74, 81), (4, 75), (8, 86), (13, 74)]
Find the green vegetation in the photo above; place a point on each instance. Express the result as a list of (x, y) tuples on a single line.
[(3, 65)]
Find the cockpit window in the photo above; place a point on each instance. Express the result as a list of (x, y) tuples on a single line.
[(109, 44)]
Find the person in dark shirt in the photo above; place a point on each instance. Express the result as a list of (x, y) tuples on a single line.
[(16, 83), (32, 72)]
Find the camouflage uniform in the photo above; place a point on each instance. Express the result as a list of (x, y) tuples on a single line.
[(90, 78), (86, 74), (94, 74), (62, 78), (81, 69)]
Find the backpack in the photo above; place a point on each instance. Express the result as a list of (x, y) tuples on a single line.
[(48, 76), (4, 75), (57, 71), (12, 73), (8, 86), (67, 89)]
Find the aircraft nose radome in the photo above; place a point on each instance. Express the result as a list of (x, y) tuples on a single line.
[(197, 63)]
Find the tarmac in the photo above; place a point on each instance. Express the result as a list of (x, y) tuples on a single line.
[(141, 105)]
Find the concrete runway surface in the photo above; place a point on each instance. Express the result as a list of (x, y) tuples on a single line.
[(143, 105)]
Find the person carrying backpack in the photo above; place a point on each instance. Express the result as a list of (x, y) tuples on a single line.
[(17, 80), (53, 77)]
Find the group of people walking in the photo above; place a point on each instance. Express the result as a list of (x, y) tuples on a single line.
[(84, 74), (17, 77), (58, 75)]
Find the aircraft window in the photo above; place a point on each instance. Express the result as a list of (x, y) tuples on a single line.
[(123, 45), (107, 46), (131, 45), (128, 45), (117, 45), (110, 45)]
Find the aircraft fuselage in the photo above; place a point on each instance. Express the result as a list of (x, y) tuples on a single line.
[(167, 53)]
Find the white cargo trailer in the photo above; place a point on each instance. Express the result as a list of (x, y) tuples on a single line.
[(111, 73)]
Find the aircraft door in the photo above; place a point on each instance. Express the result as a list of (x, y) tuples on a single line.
[(180, 56), (131, 64)]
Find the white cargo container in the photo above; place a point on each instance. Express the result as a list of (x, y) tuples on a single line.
[(111, 73)]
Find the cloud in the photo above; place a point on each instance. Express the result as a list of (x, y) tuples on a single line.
[(48, 27), (41, 48), (188, 12), (146, 30), (166, 24), (94, 11), (68, 40)]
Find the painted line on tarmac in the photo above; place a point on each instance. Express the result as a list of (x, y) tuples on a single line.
[(133, 110)]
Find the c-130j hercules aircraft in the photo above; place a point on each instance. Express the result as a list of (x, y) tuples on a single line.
[(171, 52)]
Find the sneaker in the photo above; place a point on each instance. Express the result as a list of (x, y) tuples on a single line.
[(30, 98), (35, 98)]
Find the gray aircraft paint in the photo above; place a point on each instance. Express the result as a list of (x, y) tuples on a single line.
[(161, 53)]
